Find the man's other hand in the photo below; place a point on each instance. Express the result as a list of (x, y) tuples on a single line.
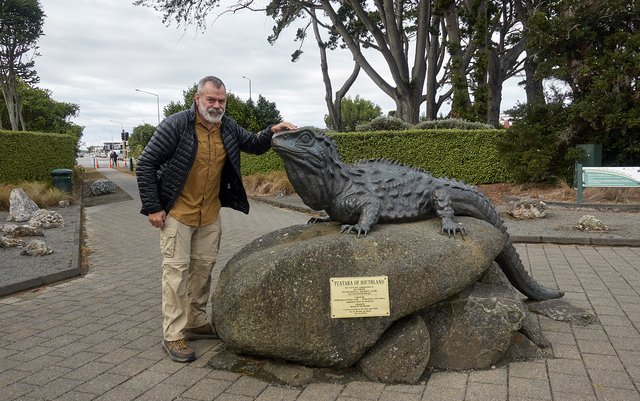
[(157, 219)]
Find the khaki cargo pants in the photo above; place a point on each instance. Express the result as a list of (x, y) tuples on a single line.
[(189, 255)]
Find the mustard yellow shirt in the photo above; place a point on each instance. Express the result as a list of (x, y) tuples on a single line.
[(199, 203)]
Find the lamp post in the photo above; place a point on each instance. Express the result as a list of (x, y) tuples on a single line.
[(119, 122), (157, 99), (121, 127), (248, 79)]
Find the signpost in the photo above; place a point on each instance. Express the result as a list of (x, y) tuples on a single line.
[(618, 177)]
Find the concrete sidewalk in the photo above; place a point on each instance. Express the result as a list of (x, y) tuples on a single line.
[(98, 336)]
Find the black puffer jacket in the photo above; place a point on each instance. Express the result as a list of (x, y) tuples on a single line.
[(166, 161)]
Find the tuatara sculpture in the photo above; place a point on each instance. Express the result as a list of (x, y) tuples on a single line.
[(368, 192)]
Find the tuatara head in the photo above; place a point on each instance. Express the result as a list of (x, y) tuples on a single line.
[(305, 148)]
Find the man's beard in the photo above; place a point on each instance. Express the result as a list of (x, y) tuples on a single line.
[(212, 114)]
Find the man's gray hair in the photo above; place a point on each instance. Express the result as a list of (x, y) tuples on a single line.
[(217, 82)]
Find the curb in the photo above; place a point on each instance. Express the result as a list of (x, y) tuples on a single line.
[(603, 207), (589, 241)]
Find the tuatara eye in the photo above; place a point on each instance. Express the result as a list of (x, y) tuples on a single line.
[(305, 139)]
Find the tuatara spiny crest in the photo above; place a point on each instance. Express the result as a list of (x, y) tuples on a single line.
[(368, 192)]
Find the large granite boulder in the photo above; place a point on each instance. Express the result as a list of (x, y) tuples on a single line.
[(21, 206), (475, 328), (273, 297), (530, 326), (401, 355)]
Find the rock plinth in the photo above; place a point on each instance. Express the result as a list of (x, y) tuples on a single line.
[(401, 355), (273, 297), (474, 329)]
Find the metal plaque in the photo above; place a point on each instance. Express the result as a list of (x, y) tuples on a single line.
[(359, 296)]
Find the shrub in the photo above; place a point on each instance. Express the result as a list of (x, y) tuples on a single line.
[(468, 155), (30, 156), (384, 124), (452, 123), (534, 149)]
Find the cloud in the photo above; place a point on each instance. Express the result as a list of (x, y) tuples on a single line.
[(95, 53)]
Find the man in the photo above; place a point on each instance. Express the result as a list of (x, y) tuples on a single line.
[(190, 169), (114, 159)]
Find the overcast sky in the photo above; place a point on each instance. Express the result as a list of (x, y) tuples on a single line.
[(95, 53)]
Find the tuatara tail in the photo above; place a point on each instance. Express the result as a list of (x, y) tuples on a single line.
[(508, 259), (512, 266)]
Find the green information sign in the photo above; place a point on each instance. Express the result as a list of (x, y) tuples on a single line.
[(611, 176)]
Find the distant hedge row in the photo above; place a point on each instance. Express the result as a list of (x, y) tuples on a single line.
[(467, 155), (30, 156)]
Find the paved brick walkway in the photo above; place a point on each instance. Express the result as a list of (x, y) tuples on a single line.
[(98, 337)]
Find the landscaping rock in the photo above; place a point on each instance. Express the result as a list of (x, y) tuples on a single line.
[(36, 248), (23, 231), (590, 223), (102, 187), (527, 208), (6, 242), (21, 206), (46, 219)]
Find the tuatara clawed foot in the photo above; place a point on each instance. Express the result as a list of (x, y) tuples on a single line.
[(323, 219), (450, 227), (356, 228)]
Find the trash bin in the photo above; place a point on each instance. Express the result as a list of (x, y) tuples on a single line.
[(62, 179)]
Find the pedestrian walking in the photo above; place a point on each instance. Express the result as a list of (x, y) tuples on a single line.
[(189, 170), (114, 159)]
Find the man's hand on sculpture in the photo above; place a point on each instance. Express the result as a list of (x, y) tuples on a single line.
[(283, 126)]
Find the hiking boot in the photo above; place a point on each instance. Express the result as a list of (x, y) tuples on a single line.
[(199, 333), (179, 350)]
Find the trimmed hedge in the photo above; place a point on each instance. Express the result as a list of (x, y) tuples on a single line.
[(467, 155), (30, 156)]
